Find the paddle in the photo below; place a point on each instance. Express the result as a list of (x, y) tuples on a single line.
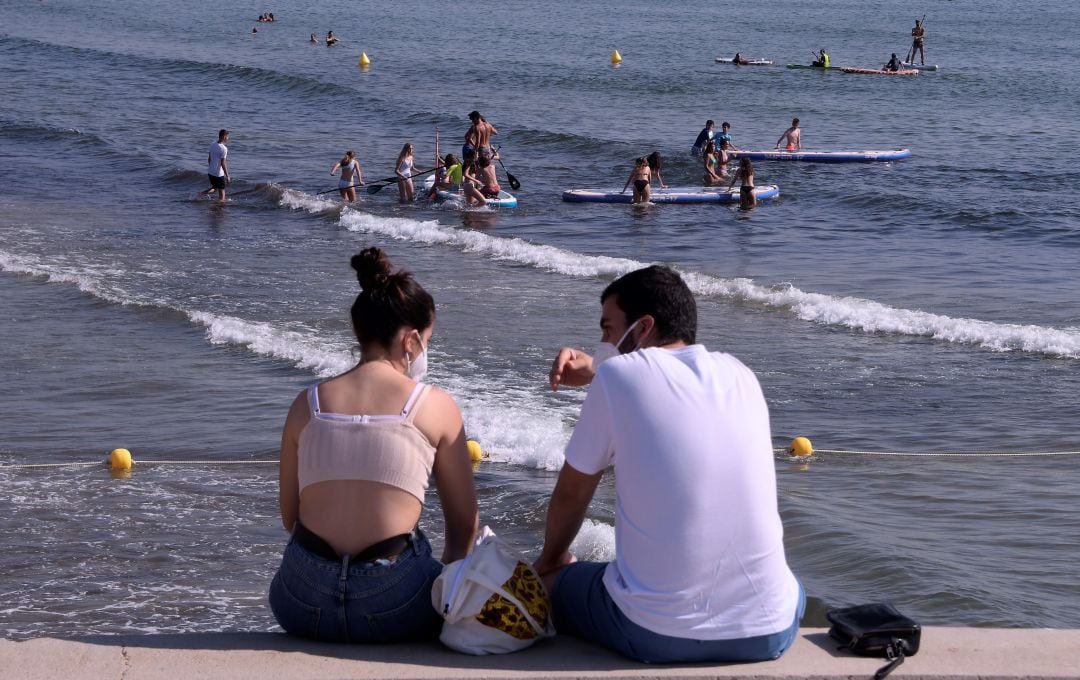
[(352, 186), (380, 184), (514, 184)]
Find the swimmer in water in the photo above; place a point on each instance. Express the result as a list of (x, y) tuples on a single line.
[(793, 135)]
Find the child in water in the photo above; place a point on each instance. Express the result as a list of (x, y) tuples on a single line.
[(641, 176)]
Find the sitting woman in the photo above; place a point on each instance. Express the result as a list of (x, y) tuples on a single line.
[(356, 454)]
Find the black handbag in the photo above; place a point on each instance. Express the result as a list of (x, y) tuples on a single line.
[(876, 630)]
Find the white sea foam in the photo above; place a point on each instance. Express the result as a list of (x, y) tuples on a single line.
[(595, 542), (851, 312)]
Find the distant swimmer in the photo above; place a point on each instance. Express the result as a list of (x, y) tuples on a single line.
[(917, 35), (403, 170), (893, 64), (217, 168), (822, 59), (641, 176), (351, 176), (314, 39), (745, 175), (706, 135), (656, 164), (330, 39), (478, 137), (725, 136), (793, 135)]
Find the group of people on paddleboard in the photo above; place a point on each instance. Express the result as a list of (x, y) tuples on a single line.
[(472, 176), (918, 39)]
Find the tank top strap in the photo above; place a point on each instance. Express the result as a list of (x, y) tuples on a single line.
[(415, 399), (313, 398)]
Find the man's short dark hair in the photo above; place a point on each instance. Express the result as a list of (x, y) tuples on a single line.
[(221, 133), (660, 292), (474, 115)]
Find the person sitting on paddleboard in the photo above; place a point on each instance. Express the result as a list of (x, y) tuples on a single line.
[(917, 35), (823, 59), (793, 135), (641, 176), (706, 135), (489, 183), (740, 59), (893, 64), (470, 182)]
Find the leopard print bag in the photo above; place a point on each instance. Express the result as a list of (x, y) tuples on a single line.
[(493, 602)]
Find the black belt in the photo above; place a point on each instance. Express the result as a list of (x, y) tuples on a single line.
[(313, 543)]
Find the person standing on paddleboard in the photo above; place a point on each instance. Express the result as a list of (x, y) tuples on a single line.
[(793, 135), (217, 169), (478, 138), (917, 35)]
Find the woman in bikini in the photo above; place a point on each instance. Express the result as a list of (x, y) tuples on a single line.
[(745, 174), (351, 176), (357, 453), (641, 176), (710, 161)]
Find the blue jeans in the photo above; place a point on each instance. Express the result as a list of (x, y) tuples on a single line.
[(338, 601), (583, 608)]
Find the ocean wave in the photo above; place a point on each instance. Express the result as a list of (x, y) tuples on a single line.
[(850, 312)]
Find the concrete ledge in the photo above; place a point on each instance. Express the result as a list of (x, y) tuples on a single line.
[(946, 653)]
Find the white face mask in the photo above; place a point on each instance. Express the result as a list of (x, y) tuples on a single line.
[(606, 350), (417, 369)]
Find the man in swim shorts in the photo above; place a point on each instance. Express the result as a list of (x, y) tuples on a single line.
[(706, 135), (217, 168), (699, 572), (793, 135), (478, 138)]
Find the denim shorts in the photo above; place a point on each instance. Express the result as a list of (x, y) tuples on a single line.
[(583, 608), (337, 601)]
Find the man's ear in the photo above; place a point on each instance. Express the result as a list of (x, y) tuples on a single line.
[(647, 331)]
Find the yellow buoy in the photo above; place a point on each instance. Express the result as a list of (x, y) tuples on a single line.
[(475, 452), (800, 447), (364, 61), (616, 58), (120, 459)]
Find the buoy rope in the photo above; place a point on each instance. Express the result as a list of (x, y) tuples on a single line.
[(140, 463), (944, 454)]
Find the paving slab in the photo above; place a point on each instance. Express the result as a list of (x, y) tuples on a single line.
[(945, 654)]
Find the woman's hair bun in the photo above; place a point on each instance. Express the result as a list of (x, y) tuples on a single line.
[(372, 267)]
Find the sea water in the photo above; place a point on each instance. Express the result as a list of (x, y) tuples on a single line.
[(921, 306)]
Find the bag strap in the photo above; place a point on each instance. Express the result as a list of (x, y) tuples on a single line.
[(895, 652), (497, 588)]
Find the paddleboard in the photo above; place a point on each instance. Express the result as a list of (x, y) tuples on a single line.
[(822, 156), (504, 200), (749, 62), (880, 72), (919, 67), (670, 195), (819, 68)]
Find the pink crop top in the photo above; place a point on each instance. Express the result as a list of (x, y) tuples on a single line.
[(386, 449)]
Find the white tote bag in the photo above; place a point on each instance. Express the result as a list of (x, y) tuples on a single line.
[(492, 601)]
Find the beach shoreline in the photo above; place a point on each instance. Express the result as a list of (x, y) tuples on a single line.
[(953, 653)]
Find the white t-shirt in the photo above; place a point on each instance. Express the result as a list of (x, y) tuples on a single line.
[(699, 545), (218, 152)]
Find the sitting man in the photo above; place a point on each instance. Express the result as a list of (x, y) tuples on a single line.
[(893, 64), (699, 572)]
